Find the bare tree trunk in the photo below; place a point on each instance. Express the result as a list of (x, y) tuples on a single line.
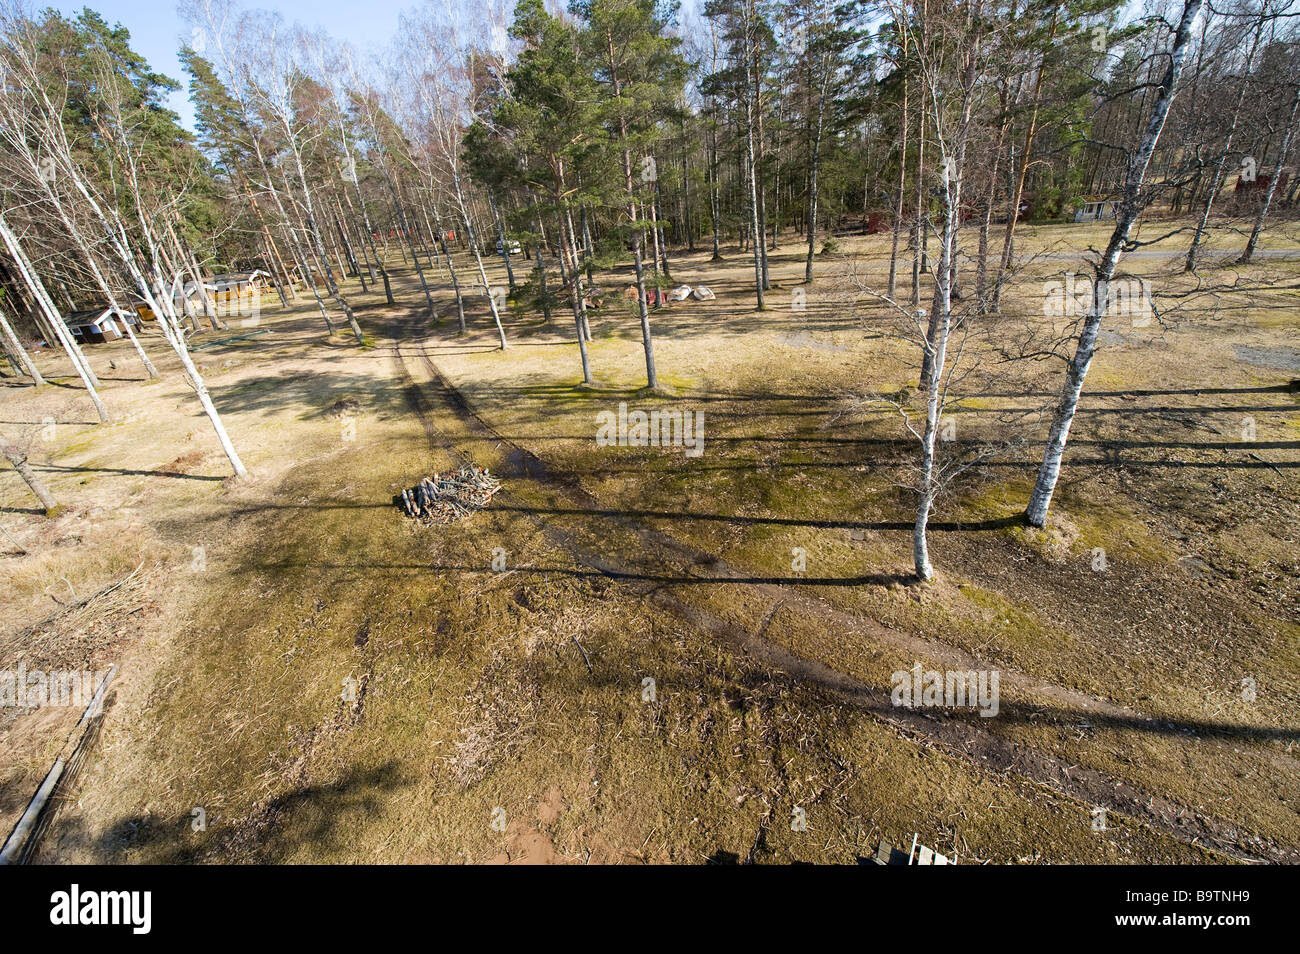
[(1249, 251), (190, 264), (715, 188), (902, 192), (279, 277), (438, 247), (1216, 179), (309, 277), (162, 304), (638, 265), (760, 167), (1018, 189), (75, 232), (541, 271), (986, 219), (501, 238), (370, 238), (919, 223), (410, 239), (16, 348), (346, 241), (366, 268), (589, 247), (1129, 209), (19, 461), (812, 176), (575, 297), (933, 382), (314, 233), (686, 190), (55, 319), (275, 264), (751, 161), (656, 214), (478, 259), (933, 364), (451, 269), (577, 273)]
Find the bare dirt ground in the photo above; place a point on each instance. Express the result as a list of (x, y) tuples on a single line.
[(506, 716)]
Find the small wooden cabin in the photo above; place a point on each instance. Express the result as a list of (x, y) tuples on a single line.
[(1097, 211), (96, 325)]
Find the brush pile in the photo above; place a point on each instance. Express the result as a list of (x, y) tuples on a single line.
[(446, 498)]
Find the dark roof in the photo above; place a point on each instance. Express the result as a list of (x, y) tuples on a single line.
[(87, 315)]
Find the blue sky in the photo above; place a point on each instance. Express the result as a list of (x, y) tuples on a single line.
[(157, 30)]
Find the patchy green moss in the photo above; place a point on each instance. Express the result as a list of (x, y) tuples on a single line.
[(1016, 628)]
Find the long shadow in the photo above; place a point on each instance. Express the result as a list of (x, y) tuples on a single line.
[(890, 465), (1148, 392), (903, 443), (449, 349), (1074, 462), (61, 468), (248, 510), (1038, 715), (869, 579), (813, 405), (1151, 409), (759, 397), (85, 423), (995, 523), (878, 700), (65, 385), (173, 840)]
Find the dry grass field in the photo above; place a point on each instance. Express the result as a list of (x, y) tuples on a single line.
[(648, 677)]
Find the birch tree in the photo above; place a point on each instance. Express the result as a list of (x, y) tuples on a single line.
[(53, 318), (1275, 176), (1132, 202), (147, 268), (18, 459), (16, 350), (274, 75), (433, 67), (1255, 35), (951, 62)]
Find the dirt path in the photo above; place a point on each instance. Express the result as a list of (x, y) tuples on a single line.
[(428, 392)]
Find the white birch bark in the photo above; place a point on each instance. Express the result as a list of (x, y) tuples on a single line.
[(55, 320), (1216, 180), (16, 348), (1249, 252), (1129, 209), (18, 459)]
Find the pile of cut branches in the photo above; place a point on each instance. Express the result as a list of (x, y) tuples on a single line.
[(446, 498)]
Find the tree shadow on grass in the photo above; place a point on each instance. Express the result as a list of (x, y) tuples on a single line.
[(63, 469), (307, 815)]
